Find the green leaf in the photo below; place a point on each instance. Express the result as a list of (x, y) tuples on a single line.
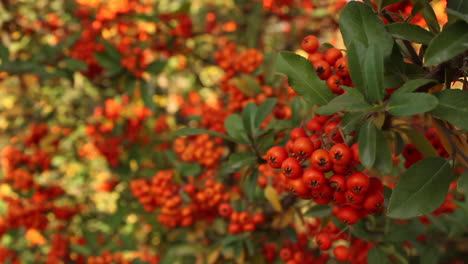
[(463, 182), (75, 65), (410, 32), (377, 256), (247, 85), (413, 85), (430, 254), (457, 9), (250, 184), (385, 3), (237, 161), (358, 23), (80, 249), (188, 168), (421, 189), (107, 61), (303, 78), (421, 143), (368, 144), (351, 121), (405, 232), (291, 233), (319, 210), (112, 51), (156, 67), (248, 118), (374, 73), (235, 128), (263, 111), (408, 104), (453, 107), (448, 44), (188, 131), (383, 156), (4, 53), (351, 101), (356, 59)]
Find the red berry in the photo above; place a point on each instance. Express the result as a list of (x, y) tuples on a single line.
[(338, 182), (341, 154), (248, 227), (323, 69), (275, 156), (324, 241), (374, 202), (297, 132), (234, 229), (314, 125), (310, 44), (320, 160), (299, 187), (355, 151), (303, 148), (314, 178), (341, 253), (353, 198), (332, 55), (258, 218), (348, 215), (341, 66), (286, 254), (315, 57), (315, 139), (339, 198), (225, 209), (358, 183), (291, 168), (334, 82)]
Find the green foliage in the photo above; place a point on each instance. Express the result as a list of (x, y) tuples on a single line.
[(421, 189), (452, 41), (303, 78), (452, 107)]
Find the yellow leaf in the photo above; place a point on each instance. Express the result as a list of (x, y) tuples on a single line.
[(35, 237), (272, 196), (213, 256)]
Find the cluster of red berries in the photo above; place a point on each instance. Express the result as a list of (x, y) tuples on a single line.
[(232, 61), (102, 127), (201, 149), (161, 192), (240, 221), (136, 61), (331, 177), (329, 65), (298, 253), (413, 155)]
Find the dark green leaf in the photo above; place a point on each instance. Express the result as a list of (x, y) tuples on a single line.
[(463, 182), (303, 78), (248, 118), (80, 249), (107, 61), (235, 128), (453, 107), (377, 256), (368, 144), (290, 233), (351, 121), (237, 161), (374, 73), (112, 51), (247, 85), (4, 53), (404, 232), (421, 143), (410, 32), (188, 131), (413, 85), (457, 9), (156, 66), (408, 104), (350, 101), (188, 169), (358, 23), (430, 253), (296, 106), (389, 2), (75, 65), (448, 44), (250, 184), (421, 189), (319, 210), (356, 59), (383, 156), (360, 230)]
